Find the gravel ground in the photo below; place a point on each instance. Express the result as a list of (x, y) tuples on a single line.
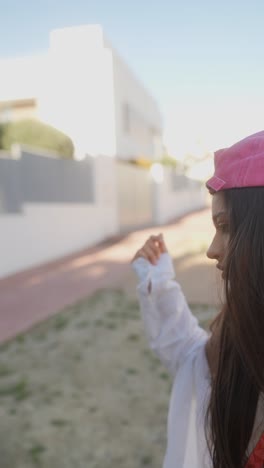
[(82, 390)]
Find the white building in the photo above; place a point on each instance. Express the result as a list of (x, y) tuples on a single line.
[(83, 88)]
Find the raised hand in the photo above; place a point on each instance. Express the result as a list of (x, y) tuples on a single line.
[(152, 249)]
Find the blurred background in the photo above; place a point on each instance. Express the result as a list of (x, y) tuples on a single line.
[(110, 113)]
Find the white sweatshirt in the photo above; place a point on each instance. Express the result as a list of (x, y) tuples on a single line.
[(175, 336)]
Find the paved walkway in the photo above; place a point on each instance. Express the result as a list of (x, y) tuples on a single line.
[(29, 297)]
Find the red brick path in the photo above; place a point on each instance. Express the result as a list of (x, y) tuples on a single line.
[(29, 297)]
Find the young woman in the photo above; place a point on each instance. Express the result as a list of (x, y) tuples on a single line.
[(216, 414)]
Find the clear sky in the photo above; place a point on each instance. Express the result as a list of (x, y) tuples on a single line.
[(202, 60)]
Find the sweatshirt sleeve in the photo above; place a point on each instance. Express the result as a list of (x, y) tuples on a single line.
[(172, 331)]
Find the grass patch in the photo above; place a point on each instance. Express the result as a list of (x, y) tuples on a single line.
[(4, 370), (60, 322), (131, 371), (56, 393), (41, 337), (93, 409), (21, 339), (82, 324), (146, 460), (19, 390), (164, 376), (59, 422), (115, 314), (4, 347), (77, 356), (35, 452), (98, 323), (111, 326), (125, 422), (133, 337)]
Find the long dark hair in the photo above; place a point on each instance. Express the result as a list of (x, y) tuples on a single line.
[(239, 366)]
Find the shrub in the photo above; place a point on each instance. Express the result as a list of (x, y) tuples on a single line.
[(37, 134)]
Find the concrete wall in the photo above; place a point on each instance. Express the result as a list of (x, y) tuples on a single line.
[(156, 196), (134, 189), (50, 208), (39, 229), (37, 178), (175, 195)]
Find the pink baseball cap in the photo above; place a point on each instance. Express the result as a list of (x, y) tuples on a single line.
[(241, 165)]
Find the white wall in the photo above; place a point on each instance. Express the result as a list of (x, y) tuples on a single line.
[(144, 115), (77, 94), (169, 204), (44, 232), (134, 186), (106, 196)]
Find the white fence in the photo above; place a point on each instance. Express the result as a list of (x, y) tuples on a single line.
[(39, 225), (175, 195), (45, 230)]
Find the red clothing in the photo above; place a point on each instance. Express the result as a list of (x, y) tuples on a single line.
[(256, 459)]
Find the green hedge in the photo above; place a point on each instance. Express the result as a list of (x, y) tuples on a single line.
[(37, 134)]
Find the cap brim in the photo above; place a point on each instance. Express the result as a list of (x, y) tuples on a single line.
[(215, 184)]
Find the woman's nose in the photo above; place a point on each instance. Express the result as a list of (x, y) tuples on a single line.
[(212, 251)]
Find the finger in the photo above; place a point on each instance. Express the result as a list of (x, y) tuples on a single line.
[(157, 242), (139, 254), (154, 239), (152, 249), (154, 246), (151, 254), (162, 244)]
